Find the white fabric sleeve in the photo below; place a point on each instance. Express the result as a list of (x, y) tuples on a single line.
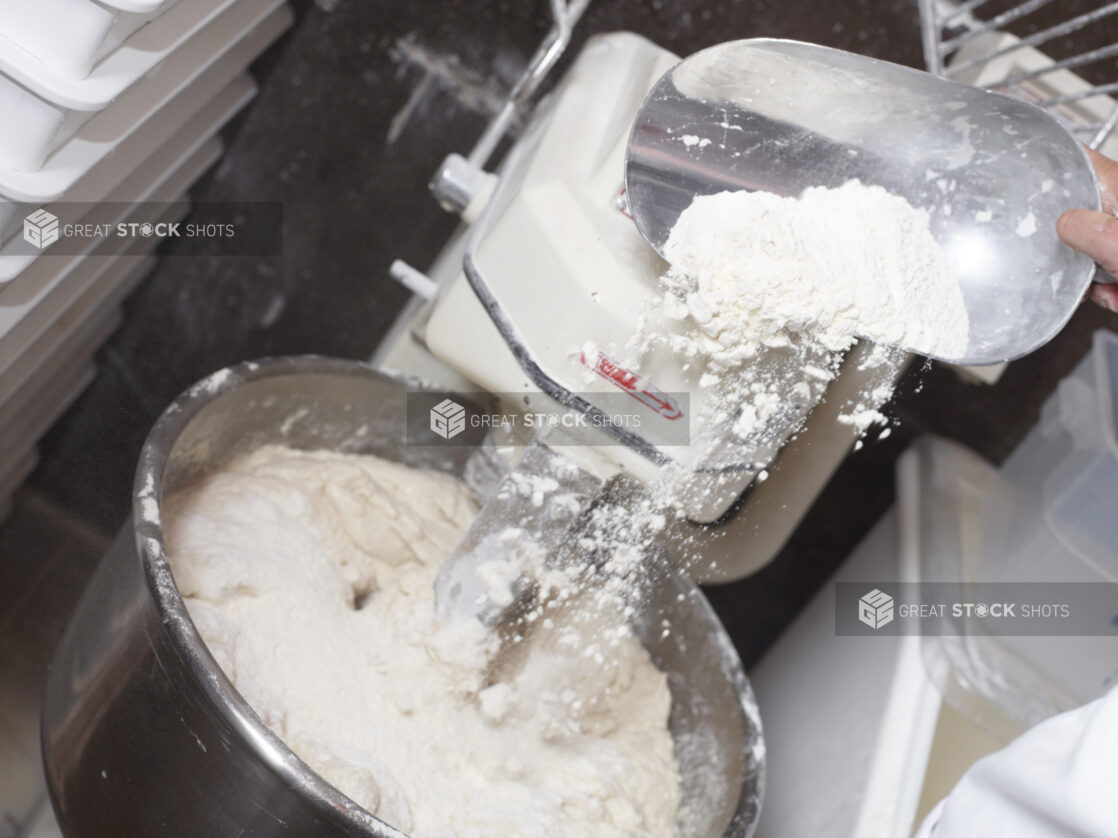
[(1058, 780)]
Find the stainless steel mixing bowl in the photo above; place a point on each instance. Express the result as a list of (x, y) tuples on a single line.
[(144, 735)]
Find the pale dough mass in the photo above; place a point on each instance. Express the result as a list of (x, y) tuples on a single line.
[(309, 576)]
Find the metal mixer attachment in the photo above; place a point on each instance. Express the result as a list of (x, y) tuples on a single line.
[(489, 576)]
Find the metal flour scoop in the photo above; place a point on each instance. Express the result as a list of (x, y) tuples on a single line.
[(993, 172)]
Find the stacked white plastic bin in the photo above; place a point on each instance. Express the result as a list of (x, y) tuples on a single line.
[(110, 102)]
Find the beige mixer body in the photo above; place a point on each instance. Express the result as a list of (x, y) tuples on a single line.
[(569, 272)]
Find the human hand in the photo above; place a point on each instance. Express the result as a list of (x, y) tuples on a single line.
[(1096, 233)]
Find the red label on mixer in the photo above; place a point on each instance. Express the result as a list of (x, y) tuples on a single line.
[(632, 384), (621, 203)]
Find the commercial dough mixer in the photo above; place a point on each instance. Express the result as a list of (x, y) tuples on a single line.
[(539, 291)]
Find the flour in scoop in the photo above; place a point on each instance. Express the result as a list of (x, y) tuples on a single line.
[(834, 264), (766, 300), (310, 577)]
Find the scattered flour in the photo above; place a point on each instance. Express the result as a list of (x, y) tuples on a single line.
[(691, 140), (310, 577), (1027, 226)]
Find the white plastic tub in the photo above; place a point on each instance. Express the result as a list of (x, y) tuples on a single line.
[(70, 36), (1072, 457), (29, 412), (863, 738), (83, 289), (860, 742), (35, 278), (85, 171), (43, 106), (75, 328), (1046, 517), (79, 292), (52, 372), (91, 165)]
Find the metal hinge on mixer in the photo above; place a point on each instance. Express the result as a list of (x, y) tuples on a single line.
[(462, 184)]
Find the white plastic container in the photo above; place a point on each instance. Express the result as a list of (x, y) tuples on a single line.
[(91, 165), (90, 286), (70, 36), (57, 313), (54, 362), (53, 371), (77, 331), (962, 513), (860, 743), (165, 175), (1060, 496), (1046, 517), (191, 75), (62, 370), (1072, 457), (43, 106)]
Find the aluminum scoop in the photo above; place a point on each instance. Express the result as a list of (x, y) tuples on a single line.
[(993, 172)]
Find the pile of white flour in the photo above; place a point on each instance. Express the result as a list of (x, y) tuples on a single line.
[(767, 295), (310, 577), (833, 264)]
